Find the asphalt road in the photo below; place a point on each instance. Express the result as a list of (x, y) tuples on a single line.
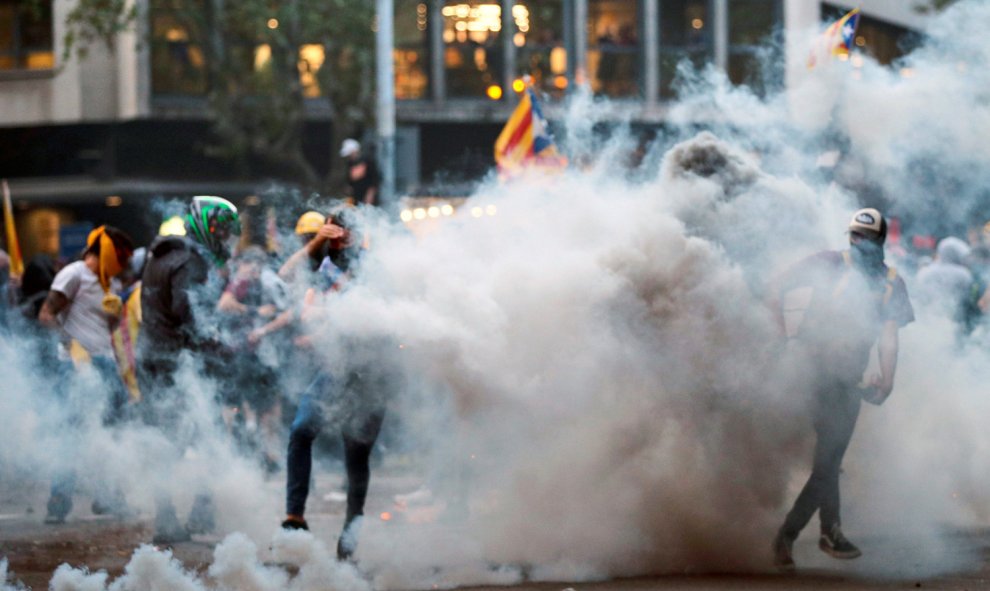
[(34, 550)]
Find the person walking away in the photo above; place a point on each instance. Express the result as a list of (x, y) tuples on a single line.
[(363, 178), (354, 401), (856, 301), (181, 283), (83, 308)]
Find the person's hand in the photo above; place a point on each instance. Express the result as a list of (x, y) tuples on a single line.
[(878, 390), (330, 231), (256, 335), (267, 310)]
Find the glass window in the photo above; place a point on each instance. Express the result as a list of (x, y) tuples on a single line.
[(685, 34), (411, 54), (539, 42), (752, 25), (26, 41), (613, 47), (178, 65), (472, 55)]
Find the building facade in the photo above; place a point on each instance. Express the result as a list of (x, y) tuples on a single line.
[(115, 127)]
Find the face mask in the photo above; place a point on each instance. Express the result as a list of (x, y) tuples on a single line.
[(867, 256)]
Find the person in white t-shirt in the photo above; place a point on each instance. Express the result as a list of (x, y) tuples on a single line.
[(84, 309)]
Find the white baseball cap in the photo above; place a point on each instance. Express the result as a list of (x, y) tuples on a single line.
[(868, 222), (350, 146)]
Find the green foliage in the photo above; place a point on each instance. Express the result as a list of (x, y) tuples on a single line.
[(257, 107)]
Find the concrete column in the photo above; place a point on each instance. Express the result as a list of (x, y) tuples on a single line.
[(438, 76), (508, 48), (651, 49), (720, 24), (384, 42), (580, 41)]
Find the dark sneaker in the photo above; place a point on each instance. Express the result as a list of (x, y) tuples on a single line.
[(783, 556), (168, 530), (347, 543), (201, 516), (295, 524), (59, 506), (835, 544), (170, 537)]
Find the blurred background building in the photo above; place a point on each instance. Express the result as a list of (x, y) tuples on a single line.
[(94, 138)]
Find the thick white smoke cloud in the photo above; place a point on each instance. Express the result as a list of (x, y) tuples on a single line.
[(592, 372)]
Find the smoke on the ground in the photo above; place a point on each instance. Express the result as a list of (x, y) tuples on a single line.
[(590, 376)]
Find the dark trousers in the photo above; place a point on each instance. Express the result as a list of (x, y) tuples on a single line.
[(360, 419), (836, 408)]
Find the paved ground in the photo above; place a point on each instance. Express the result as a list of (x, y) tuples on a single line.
[(34, 550)]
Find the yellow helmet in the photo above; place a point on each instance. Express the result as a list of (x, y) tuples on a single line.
[(310, 222)]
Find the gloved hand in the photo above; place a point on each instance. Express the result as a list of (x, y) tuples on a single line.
[(113, 305)]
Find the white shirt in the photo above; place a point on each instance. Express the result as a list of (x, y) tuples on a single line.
[(84, 318)]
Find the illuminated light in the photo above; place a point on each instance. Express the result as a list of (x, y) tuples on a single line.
[(433, 212), (420, 8), (843, 57), (114, 201), (473, 456), (560, 82), (252, 200), (697, 23), (406, 215), (461, 26), (518, 85), (558, 60), (419, 213), (462, 11), (262, 55), (519, 39), (494, 92), (176, 34), (401, 346), (447, 209), (477, 212), (524, 28), (907, 72), (173, 226), (860, 41), (857, 61), (448, 36), (273, 23), (448, 11), (491, 210), (386, 516)]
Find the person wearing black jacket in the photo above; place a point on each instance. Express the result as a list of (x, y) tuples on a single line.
[(177, 279)]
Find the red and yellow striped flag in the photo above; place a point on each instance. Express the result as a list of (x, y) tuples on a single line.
[(525, 140)]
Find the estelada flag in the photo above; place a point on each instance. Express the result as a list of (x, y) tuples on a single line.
[(837, 39), (525, 140), (13, 247)]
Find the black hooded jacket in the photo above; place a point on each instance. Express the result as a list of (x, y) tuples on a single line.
[(175, 270)]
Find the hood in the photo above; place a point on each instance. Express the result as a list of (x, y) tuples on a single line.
[(952, 250)]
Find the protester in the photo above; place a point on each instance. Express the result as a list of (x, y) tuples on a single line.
[(856, 301), (314, 234), (255, 310), (946, 285), (362, 174), (37, 280), (83, 307), (182, 280), (354, 402)]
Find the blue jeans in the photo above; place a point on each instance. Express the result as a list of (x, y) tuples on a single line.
[(359, 418)]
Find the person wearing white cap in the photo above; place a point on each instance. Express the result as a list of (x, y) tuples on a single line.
[(362, 174), (856, 301)]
